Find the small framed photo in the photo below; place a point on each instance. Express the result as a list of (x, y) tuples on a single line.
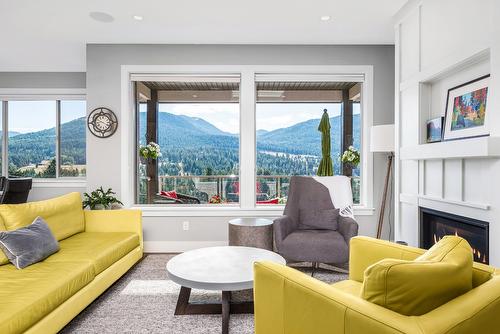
[(434, 129), (466, 110)]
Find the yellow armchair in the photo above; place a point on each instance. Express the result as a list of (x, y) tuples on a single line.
[(290, 302)]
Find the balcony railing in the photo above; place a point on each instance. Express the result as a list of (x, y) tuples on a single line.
[(270, 189)]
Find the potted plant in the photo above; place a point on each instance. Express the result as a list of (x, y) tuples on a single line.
[(101, 200), (216, 199), (351, 157), (150, 151)]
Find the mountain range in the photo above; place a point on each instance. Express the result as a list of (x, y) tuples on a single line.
[(301, 138), (201, 146), (11, 133), (34, 147)]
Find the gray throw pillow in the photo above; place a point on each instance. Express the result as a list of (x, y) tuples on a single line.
[(319, 219), (29, 245)]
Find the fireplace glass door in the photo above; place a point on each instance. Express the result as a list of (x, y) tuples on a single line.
[(434, 225)]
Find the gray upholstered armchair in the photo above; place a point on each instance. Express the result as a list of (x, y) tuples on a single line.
[(298, 243)]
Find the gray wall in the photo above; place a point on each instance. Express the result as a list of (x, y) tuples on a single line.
[(42, 80), (103, 89), (45, 192)]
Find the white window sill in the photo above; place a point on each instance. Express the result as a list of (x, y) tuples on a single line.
[(224, 211), (60, 183)]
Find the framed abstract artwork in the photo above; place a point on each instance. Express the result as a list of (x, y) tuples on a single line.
[(466, 110), (434, 130)]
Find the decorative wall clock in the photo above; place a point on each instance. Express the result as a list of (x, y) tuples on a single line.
[(102, 122)]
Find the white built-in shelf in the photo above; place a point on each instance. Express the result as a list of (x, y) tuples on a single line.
[(481, 147), (454, 63)]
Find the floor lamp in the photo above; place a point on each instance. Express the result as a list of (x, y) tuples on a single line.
[(382, 140)]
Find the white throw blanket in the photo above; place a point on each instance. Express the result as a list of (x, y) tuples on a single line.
[(340, 190)]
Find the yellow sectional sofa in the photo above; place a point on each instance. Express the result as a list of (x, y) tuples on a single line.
[(96, 249), (290, 302)]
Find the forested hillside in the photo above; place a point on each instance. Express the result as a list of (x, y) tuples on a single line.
[(34, 147), (204, 150), (193, 146)]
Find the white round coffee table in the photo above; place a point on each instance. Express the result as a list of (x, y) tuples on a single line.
[(225, 268)]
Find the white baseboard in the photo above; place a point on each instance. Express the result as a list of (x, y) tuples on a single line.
[(178, 246)]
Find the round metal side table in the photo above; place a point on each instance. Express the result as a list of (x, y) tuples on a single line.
[(251, 232)]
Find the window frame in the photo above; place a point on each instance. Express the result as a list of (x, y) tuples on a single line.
[(324, 77), (247, 205), (41, 94), (226, 77)]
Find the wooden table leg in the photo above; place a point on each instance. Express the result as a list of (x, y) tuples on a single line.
[(226, 310), (226, 307), (183, 301)]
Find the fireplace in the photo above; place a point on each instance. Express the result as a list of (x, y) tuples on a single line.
[(434, 225)]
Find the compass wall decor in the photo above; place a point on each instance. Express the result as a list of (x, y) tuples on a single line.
[(102, 122)]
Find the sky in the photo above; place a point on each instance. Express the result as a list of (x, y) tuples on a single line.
[(31, 116), (272, 116), (225, 116), (269, 116)]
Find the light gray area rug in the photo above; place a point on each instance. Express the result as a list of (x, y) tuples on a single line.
[(144, 299)]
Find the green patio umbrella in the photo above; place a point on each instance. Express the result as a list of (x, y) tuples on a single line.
[(325, 166)]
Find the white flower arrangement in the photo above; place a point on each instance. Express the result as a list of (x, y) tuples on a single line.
[(351, 156), (150, 151)]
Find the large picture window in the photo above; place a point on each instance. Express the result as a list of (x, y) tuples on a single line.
[(45, 139), (288, 140), (195, 122), (202, 130)]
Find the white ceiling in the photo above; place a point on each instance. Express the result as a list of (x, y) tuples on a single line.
[(50, 35)]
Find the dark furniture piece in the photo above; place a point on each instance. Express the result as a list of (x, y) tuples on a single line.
[(15, 190), (181, 199), (313, 245)]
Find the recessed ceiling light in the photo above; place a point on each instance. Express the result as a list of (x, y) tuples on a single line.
[(101, 17), (326, 18), (138, 17)]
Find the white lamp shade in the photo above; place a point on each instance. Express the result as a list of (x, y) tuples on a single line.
[(382, 138)]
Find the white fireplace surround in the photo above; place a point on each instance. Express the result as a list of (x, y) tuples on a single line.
[(461, 177)]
